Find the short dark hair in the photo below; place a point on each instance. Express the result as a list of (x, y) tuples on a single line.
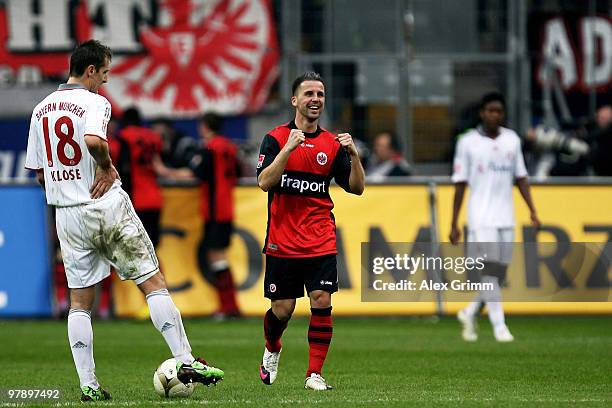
[(492, 97), (131, 117), (212, 120), (90, 52), (306, 76)]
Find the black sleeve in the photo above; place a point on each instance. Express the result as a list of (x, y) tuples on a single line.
[(268, 151), (202, 164), (341, 169)]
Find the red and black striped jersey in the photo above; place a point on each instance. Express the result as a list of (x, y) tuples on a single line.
[(218, 168), (300, 219), (133, 153)]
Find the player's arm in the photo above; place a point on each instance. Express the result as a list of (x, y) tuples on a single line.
[(455, 234), (520, 175), (96, 122), (106, 174), (201, 165), (40, 177), (357, 176), (34, 150), (523, 186), (271, 174), (161, 170)]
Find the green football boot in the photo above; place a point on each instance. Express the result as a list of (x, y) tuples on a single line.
[(198, 371), (91, 394)]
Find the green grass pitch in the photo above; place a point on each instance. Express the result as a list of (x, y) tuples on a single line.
[(555, 361)]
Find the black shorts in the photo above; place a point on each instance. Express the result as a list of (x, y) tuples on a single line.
[(286, 277), (150, 221), (217, 235)]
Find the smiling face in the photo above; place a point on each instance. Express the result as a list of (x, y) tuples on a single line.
[(309, 100)]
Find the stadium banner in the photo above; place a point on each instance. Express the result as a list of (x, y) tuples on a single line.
[(574, 52), (170, 58), (569, 213), (25, 267), (383, 215)]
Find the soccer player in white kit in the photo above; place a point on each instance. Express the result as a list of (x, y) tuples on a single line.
[(489, 159), (96, 222)]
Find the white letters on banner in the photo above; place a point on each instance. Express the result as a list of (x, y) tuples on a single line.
[(587, 66)]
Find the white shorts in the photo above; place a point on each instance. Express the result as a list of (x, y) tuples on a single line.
[(492, 244), (106, 232)]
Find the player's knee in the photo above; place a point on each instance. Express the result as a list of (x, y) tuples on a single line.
[(155, 282), (320, 299), (283, 310), (82, 298)]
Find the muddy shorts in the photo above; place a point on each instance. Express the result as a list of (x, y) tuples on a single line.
[(107, 232)]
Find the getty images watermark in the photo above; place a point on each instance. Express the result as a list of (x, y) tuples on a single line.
[(412, 264), (424, 271)]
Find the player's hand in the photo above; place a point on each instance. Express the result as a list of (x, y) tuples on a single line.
[(535, 221), (455, 235), (296, 138), (103, 181), (346, 140)]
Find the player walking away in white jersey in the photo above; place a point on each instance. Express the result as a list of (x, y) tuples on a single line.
[(489, 159), (96, 222)]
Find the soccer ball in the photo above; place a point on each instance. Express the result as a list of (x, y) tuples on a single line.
[(167, 384)]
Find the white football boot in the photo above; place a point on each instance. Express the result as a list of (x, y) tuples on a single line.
[(503, 335), (317, 383), (469, 326), (269, 366)]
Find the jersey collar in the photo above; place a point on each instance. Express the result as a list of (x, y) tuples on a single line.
[(482, 133), (65, 87), (316, 133)]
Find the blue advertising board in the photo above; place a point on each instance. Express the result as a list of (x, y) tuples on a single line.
[(13, 143), (25, 273)]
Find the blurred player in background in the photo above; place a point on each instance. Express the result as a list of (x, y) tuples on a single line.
[(136, 152), (489, 159), (296, 164), (217, 166), (177, 147), (95, 220)]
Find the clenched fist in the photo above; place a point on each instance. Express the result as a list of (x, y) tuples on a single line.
[(346, 140), (296, 137)]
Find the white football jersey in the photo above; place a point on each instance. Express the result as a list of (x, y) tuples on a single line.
[(490, 167), (56, 143)]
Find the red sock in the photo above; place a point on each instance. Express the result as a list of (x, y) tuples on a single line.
[(273, 330), (319, 336), (227, 292)]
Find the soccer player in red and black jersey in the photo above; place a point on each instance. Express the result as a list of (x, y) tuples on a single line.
[(136, 151), (217, 166), (297, 162), (136, 154)]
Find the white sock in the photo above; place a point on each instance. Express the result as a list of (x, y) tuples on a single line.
[(473, 308), (80, 336), (167, 319), (494, 304)]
